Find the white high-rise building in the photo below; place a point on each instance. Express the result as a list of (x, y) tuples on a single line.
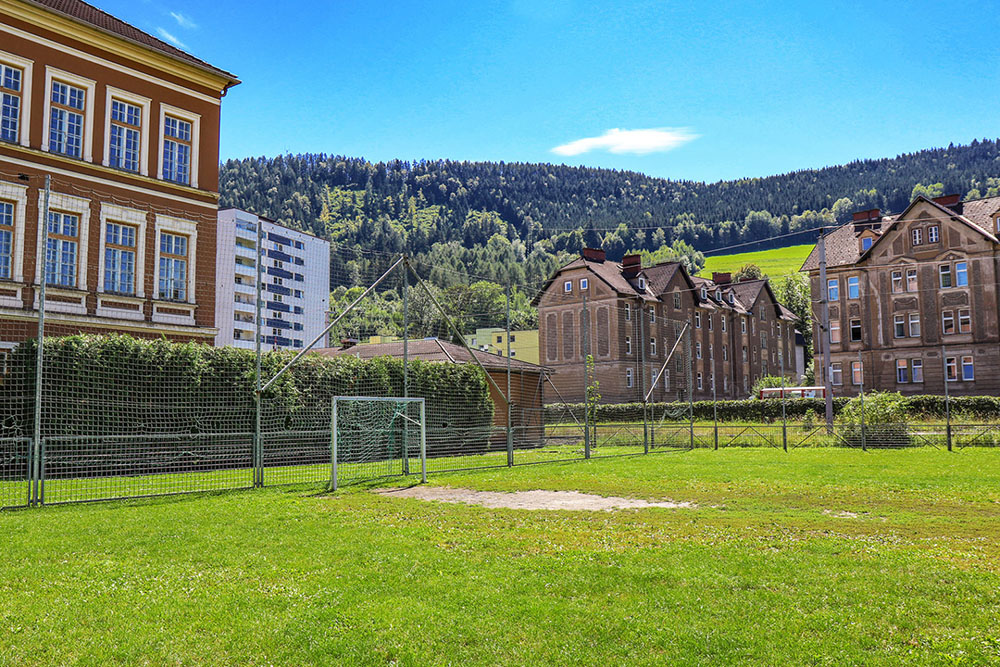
[(295, 277)]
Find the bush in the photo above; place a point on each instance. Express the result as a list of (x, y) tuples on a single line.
[(879, 416)]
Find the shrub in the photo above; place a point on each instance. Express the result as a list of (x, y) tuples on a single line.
[(879, 416)]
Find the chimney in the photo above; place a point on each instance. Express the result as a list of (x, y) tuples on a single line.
[(593, 254), (866, 220), (631, 266), (722, 278), (953, 202), (347, 343)]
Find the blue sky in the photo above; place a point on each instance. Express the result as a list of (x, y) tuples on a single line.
[(703, 91)]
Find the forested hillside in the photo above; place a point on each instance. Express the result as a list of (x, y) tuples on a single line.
[(514, 221)]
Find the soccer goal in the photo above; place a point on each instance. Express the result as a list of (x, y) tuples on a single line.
[(376, 437)]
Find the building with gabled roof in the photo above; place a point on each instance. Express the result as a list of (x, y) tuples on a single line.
[(913, 298), (633, 318)]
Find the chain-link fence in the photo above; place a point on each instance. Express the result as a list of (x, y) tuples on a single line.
[(93, 415)]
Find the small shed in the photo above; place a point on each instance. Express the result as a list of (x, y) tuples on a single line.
[(526, 379)]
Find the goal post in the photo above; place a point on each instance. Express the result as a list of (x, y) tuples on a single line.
[(375, 437)]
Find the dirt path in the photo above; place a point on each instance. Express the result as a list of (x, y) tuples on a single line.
[(528, 500)]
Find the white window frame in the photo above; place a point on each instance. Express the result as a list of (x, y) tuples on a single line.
[(972, 367), (904, 366), (835, 326), (652, 346), (833, 289), (855, 282), (628, 378), (914, 332), (896, 281), (916, 236), (188, 228), (967, 318), (567, 286), (628, 345), (77, 206), (857, 373), (964, 272), (914, 365), (725, 353), (723, 318), (24, 120), (89, 86), (134, 218), (697, 350), (866, 243), (700, 383), (899, 326), (697, 319), (195, 120), (628, 312), (16, 194), (837, 373), (945, 270), (144, 104), (933, 234), (584, 284)]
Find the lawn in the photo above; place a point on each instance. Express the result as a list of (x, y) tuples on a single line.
[(775, 263), (819, 556)]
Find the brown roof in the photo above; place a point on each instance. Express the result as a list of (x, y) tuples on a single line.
[(609, 272), (659, 276), (431, 349), (96, 18), (980, 212), (842, 246)]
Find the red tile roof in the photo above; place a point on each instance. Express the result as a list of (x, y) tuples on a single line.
[(97, 18), (431, 349)]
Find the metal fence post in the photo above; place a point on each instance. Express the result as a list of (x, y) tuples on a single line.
[(406, 365), (586, 389), (510, 427), (784, 416), (947, 399), (333, 447), (861, 396), (690, 388), (642, 372), (258, 436), (715, 407), (37, 452)]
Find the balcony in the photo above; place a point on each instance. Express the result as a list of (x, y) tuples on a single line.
[(280, 256), (280, 273)]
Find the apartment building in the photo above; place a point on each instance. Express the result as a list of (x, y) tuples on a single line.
[(295, 282), (523, 343), (632, 321), (127, 128), (913, 299)]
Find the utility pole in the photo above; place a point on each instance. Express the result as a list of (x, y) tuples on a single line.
[(43, 223), (824, 329)]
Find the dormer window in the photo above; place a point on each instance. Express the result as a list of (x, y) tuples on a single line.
[(998, 223), (642, 283), (584, 283), (718, 295), (704, 294), (916, 236), (866, 243), (932, 234), (568, 286), (732, 299)]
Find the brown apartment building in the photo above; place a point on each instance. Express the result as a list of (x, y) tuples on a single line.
[(633, 317), (913, 298), (127, 128)]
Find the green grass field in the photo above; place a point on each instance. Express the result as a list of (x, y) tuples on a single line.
[(775, 263), (819, 556)]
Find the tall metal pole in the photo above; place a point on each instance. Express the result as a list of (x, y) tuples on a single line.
[(715, 403), (861, 396), (642, 373), (510, 432), (690, 388), (825, 330), (39, 355), (784, 420), (258, 330), (406, 366), (586, 389), (947, 399)]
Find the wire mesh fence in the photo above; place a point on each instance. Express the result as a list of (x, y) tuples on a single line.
[(92, 415)]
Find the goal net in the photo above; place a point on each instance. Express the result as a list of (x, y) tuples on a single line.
[(377, 437)]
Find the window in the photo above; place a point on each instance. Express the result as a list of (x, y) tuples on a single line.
[(10, 102), (932, 234), (857, 373), (628, 378), (897, 282), (652, 314), (66, 119), (763, 340), (628, 345), (866, 243), (499, 339), (917, 370), (718, 295), (652, 346), (833, 289), (743, 325), (699, 381), (944, 272), (119, 258), (513, 338), (628, 312), (710, 321), (902, 371), (916, 236), (584, 283), (961, 274), (837, 373), (725, 383), (642, 283), (61, 249), (6, 240), (853, 287), (711, 352), (725, 353), (951, 369), (176, 150), (704, 293), (568, 286), (968, 372), (834, 331), (697, 319), (762, 311), (899, 326), (964, 321), (666, 379), (744, 354), (947, 322), (125, 136), (723, 319), (911, 280), (856, 331), (914, 325), (697, 350), (173, 267), (677, 300)]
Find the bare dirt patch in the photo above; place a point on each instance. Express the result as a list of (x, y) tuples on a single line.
[(843, 514), (529, 500)]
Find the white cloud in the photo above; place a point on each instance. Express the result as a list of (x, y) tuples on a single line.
[(166, 36), (184, 21), (636, 142)]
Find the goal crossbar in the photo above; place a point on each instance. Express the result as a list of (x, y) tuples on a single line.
[(399, 411)]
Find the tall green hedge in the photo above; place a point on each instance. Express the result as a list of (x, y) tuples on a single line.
[(119, 385)]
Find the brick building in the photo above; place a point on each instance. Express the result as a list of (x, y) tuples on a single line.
[(739, 332), (127, 127), (902, 288)]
